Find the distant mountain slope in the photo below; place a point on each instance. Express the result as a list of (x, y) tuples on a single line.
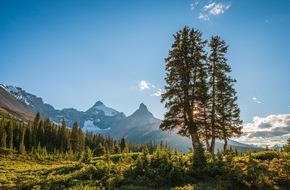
[(140, 127), (97, 118), (11, 105), (137, 127)]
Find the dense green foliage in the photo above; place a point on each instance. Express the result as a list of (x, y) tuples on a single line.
[(163, 169)]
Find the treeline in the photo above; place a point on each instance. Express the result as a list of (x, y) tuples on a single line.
[(40, 136), (43, 137)]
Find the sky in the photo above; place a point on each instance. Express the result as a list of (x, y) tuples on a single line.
[(75, 53)]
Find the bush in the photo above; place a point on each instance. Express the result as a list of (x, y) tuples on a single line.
[(199, 161), (265, 155), (186, 187), (88, 155)]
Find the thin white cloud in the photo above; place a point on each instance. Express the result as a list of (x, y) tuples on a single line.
[(158, 93), (155, 91), (210, 9), (255, 99), (267, 131), (203, 17), (144, 85), (194, 4), (209, 6), (219, 8)]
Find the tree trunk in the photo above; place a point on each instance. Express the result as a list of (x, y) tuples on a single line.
[(212, 144), (206, 131), (225, 146), (207, 143), (195, 141), (194, 135)]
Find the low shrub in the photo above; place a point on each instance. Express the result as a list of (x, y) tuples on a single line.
[(266, 155)]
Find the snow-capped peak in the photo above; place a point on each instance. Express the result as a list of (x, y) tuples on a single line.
[(99, 107)]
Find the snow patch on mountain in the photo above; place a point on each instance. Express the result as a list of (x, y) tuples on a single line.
[(89, 126), (12, 89), (26, 102), (16, 92), (106, 110)]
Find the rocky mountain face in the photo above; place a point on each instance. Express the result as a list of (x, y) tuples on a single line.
[(11, 105), (139, 127), (97, 118)]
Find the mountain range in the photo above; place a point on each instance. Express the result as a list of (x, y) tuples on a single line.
[(139, 127)]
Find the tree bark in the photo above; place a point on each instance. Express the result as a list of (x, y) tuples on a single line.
[(207, 144), (195, 141), (225, 146), (212, 144)]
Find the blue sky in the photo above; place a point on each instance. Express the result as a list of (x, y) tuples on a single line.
[(74, 53)]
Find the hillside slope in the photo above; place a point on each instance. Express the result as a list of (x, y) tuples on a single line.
[(10, 105)]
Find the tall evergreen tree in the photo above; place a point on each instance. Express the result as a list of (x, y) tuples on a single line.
[(28, 138), (122, 144), (55, 137), (10, 133), (41, 137), (185, 76), (3, 140), (16, 134), (48, 135), (64, 138), (3, 135), (81, 141), (75, 138), (224, 112), (34, 131), (229, 113), (21, 142)]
